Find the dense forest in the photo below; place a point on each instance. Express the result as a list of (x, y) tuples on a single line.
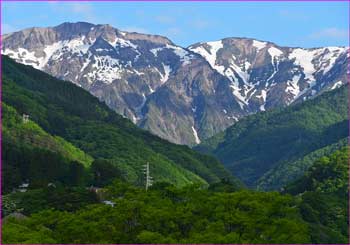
[(311, 210), (72, 173), (270, 149), (324, 192)]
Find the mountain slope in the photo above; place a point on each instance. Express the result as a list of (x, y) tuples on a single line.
[(324, 191), (261, 142), (181, 94), (264, 75), (168, 215), (277, 178), (14, 129), (131, 73), (31, 155), (68, 111)]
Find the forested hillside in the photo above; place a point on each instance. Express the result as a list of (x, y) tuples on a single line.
[(166, 214), (324, 193), (67, 112), (311, 210), (276, 178), (271, 148), (31, 155)]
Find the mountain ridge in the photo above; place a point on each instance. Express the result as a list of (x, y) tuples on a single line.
[(65, 110), (258, 145), (133, 72)]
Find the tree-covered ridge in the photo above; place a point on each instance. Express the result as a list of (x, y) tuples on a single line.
[(166, 214), (65, 110), (16, 131), (261, 142), (31, 155), (324, 193), (329, 174), (277, 178)]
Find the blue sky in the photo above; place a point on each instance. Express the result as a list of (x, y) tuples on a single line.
[(304, 24)]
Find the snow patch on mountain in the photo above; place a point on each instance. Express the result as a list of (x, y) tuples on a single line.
[(53, 51), (274, 52), (304, 59), (236, 91), (328, 59), (195, 134), (184, 55), (259, 45), (165, 76), (106, 69), (337, 85), (26, 57), (86, 63), (210, 55), (293, 87), (242, 74), (123, 43), (262, 95), (155, 51)]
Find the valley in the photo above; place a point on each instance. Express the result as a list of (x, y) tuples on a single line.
[(121, 137), (75, 165)]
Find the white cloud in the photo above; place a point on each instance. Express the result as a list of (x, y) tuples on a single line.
[(332, 33)]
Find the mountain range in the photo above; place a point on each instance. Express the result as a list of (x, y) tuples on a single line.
[(234, 141), (184, 95)]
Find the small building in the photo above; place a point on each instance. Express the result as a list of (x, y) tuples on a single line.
[(25, 118)]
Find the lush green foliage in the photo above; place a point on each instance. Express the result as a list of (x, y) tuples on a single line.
[(32, 155), (328, 174), (166, 214), (324, 194), (276, 178), (65, 110), (55, 197), (30, 133), (261, 142)]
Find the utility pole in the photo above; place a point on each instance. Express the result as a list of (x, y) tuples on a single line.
[(149, 179)]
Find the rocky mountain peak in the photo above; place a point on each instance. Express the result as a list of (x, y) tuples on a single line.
[(181, 94)]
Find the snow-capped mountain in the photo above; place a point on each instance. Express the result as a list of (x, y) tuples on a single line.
[(181, 94), (264, 75)]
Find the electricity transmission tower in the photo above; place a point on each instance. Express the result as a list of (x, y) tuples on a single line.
[(149, 179)]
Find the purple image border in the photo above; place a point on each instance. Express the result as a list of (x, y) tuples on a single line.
[(165, 1)]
